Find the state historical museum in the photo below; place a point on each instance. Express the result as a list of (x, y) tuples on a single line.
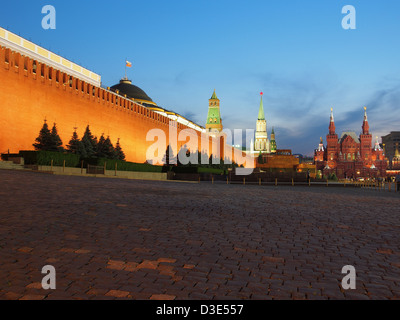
[(350, 156)]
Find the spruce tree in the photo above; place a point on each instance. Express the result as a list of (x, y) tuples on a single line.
[(260, 158), (184, 152), (91, 137), (94, 143), (196, 158), (120, 155), (210, 161), (101, 148), (89, 144), (169, 158), (55, 140), (87, 148), (221, 164), (109, 149), (74, 145), (203, 159), (43, 141)]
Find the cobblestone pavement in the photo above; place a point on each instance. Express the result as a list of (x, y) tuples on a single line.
[(126, 239)]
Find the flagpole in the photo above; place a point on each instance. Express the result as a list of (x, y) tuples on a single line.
[(126, 59)]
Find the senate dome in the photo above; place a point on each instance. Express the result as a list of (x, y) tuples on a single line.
[(125, 87)]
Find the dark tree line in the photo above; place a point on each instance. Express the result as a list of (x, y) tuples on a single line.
[(203, 159), (48, 140), (87, 148)]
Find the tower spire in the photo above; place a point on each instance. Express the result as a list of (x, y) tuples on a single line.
[(261, 115), (262, 143), (365, 125), (332, 127)]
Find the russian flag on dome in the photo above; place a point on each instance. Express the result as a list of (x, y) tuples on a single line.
[(128, 64)]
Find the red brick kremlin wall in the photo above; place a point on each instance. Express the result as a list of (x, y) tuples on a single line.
[(27, 98)]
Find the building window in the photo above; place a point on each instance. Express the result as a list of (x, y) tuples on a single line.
[(42, 70), (50, 73), (26, 63), (7, 58)]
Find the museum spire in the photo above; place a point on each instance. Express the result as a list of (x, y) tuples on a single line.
[(332, 127), (365, 125)]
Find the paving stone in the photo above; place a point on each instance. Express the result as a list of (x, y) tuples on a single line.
[(162, 297), (117, 293), (32, 297)]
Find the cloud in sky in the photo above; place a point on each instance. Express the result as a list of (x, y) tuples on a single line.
[(382, 109)]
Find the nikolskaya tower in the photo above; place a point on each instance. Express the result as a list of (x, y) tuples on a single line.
[(261, 143)]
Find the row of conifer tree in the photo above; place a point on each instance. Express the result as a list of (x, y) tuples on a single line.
[(88, 147)]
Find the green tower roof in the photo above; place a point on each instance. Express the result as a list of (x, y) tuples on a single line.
[(214, 96)]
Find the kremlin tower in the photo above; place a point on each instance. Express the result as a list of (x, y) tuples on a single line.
[(332, 142), (262, 144), (273, 142), (214, 121)]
